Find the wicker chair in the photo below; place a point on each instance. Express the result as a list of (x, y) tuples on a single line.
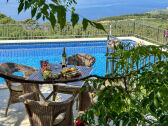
[(48, 113), (81, 59), (17, 89), (85, 97)]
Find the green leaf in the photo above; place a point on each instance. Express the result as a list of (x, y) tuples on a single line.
[(41, 2), (74, 19), (99, 26), (74, 1), (163, 91), (82, 89), (53, 7), (61, 16), (85, 23), (44, 17), (27, 5), (33, 11), (21, 1), (20, 8), (156, 102), (56, 1), (73, 9), (152, 110), (44, 10), (38, 16), (52, 20)]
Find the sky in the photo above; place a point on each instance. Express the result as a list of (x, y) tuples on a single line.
[(93, 9)]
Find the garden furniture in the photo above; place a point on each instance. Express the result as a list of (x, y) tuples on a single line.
[(48, 113), (17, 89), (76, 86), (85, 97)]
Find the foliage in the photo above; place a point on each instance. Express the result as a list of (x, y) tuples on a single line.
[(6, 20), (157, 20), (29, 21), (142, 97), (49, 10)]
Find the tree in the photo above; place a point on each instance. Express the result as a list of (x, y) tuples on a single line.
[(141, 100), (29, 21), (49, 10)]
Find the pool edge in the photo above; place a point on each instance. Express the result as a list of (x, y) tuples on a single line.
[(75, 40)]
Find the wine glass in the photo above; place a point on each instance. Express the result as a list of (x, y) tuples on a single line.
[(57, 62)]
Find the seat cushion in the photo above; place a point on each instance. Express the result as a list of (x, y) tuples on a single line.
[(16, 87), (59, 118)]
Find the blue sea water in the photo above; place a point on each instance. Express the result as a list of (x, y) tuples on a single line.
[(93, 9)]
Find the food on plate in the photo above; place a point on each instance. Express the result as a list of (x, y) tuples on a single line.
[(65, 73), (65, 69), (56, 76), (70, 72), (47, 74), (73, 69)]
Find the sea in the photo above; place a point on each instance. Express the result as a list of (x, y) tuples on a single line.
[(92, 9)]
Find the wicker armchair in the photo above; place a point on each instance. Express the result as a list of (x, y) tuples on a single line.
[(17, 89), (48, 113), (81, 59), (85, 98)]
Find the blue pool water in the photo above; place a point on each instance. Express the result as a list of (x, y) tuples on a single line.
[(31, 53)]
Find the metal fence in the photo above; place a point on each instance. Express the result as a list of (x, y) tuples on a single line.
[(139, 30), (45, 31), (130, 64)]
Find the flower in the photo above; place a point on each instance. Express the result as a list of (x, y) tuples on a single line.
[(80, 123)]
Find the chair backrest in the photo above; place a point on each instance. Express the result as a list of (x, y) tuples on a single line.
[(44, 113), (11, 68), (81, 59)]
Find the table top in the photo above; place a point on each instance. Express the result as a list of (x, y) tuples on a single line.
[(56, 68)]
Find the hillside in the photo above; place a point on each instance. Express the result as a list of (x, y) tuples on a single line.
[(156, 18), (122, 26), (8, 20), (157, 12)]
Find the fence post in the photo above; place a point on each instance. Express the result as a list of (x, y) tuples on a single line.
[(107, 65), (133, 28), (22, 35), (112, 64), (110, 30), (157, 35)]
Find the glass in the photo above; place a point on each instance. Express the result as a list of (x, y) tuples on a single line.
[(57, 62)]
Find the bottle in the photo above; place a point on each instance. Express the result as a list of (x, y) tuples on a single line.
[(63, 58)]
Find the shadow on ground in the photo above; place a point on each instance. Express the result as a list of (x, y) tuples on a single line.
[(16, 113)]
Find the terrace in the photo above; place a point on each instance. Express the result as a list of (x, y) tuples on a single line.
[(91, 41)]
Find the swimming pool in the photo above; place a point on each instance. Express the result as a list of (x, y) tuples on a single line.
[(31, 53)]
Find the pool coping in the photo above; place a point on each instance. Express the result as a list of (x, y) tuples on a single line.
[(138, 40), (76, 40), (53, 40)]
